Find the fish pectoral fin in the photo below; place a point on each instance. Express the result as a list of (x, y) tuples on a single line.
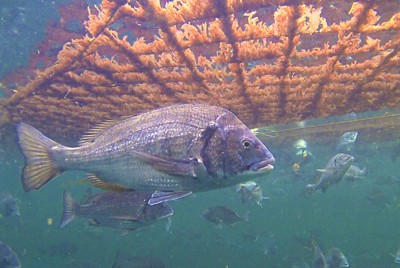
[(125, 231), (170, 165), (322, 170), (97, 182), (124, 218), (93, 222), (158, 197)]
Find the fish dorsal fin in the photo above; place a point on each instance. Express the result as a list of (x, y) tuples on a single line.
[(93, 132), (97, 182)]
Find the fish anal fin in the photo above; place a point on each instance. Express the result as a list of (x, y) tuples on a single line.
[(125, 231), (124, 218), (97, 182), (69, 211)]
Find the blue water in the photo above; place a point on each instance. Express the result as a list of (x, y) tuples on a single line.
[(360, 218)]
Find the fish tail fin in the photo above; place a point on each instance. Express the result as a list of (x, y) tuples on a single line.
[(39, 168), (69, 211)]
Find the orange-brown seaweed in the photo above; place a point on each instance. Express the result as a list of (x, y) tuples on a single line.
[(270, 62)]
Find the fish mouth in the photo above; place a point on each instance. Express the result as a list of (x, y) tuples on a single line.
[(264, 165)]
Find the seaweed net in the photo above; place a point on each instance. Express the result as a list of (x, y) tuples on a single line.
[(270, 62)]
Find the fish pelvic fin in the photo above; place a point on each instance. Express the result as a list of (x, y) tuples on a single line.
[(97, 182), (69, 211), (39, 167)]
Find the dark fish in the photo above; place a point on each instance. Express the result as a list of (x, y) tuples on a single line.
[(123, 260), (190, 147), (334, 258), (333, 172), (8, 205), (8, 258), (63, 249), (222, 214), (126, 211)]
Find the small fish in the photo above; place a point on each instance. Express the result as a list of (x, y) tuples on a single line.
[(334, 258), (123, 260), (188, 147), (8, 258), (346, 142), (8, 205), (126, 211), (221, 214), (302, 154), (250, 190), (354, 173), (61, 249), (333, 172)]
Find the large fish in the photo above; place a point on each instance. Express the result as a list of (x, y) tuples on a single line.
[(126, 211), (189, 147)]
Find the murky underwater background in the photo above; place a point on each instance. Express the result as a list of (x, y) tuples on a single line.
[(361, 218)]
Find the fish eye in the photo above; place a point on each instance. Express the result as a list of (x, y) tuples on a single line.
[(246, 143)]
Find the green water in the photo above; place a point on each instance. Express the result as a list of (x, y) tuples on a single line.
[(367, 232)]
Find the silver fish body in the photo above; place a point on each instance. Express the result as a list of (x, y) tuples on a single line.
[(188, 147), (333, 173)]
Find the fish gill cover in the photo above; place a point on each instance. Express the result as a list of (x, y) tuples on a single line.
[(268, 62)]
